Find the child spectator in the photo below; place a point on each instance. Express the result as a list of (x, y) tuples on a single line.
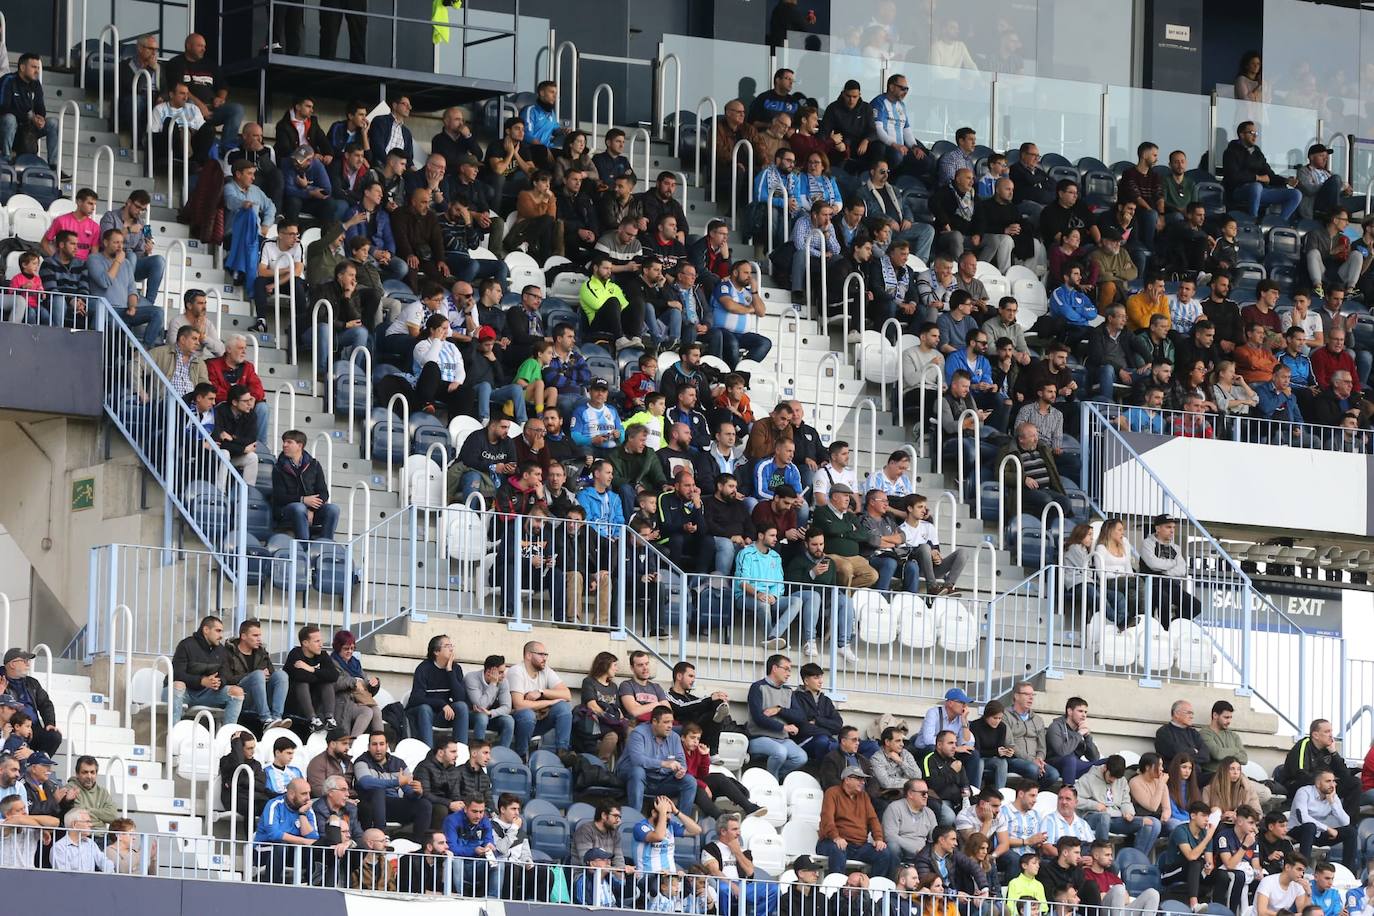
[(646, 510), (529, 375), (641, 384), (713, 786), (21, 733), (280, 773), (28, 279), (651, 418), (733, 403)]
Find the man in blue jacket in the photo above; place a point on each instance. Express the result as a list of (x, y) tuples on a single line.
[(389, 132), (655, 762), (22, 111), (471, 841), (437, 694), (386, 789), (308, 189), (541, 125), (287, 821)]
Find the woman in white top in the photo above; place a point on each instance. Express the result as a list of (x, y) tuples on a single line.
[(1080, 590), (1249, 84), (1229, 391), (439, 369), (1112, 558)]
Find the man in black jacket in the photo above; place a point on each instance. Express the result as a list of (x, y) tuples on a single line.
[(946, 776), (236, 431), (198, 666), (1311, 755), (660, 199), (300, 494), (313, 676), (437, 693), (439, 777), (1032, 183), (846, 755), (1251, 185), (299, 127), (577, 212), (32, 699), (1178, 736), (953, 206), (778, 100), (708, 712), (1006, 236), (22, 112), (852, 119)]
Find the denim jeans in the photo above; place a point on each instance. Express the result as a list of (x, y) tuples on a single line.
[(887, 568), (731, 344), (671, 322), (262, 696), (204, 696), (9, 129), (512, 394), (843, 609), (348, 337), (504, 726), (262, 412), (787, 609), (725, 551), (296, 517), (424, 717), (148, 317), (1144, 830), (469, 483), (558, 719), (784, 755), (881, 863), (150, 267), (1254, 197), (230, 115), (1027, 769), (638, 782)]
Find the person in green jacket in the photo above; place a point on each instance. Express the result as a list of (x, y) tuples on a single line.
[(610, 314), (1026, 887), (636, 466), (651, 418), (843, 537), (90, 794)]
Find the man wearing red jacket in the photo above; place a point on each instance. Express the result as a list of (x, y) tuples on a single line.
[(233, 368), (1333, 357)]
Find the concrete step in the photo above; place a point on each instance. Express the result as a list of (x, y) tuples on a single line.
[(96, 747), (138, 768)]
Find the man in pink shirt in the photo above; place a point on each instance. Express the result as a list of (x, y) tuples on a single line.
[(81, 222)]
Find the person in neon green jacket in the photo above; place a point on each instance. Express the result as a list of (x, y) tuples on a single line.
[(619, 324), (651, 418), (1025, 887)]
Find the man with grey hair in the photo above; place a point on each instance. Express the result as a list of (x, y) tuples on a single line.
[(19, 833), (77, 851), (953, 206), (234, 368), (908, 821), (1178, 736), (726, 858), (195, 307), (1039, 483)]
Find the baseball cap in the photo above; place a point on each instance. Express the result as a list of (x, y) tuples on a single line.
[(957, 695), (856, 772), (16, 652), (302, 152), (486, 332), (807, 863), (841, 488), (38, 758), (598, 383), (468, 159), (337, 734), (1316, 148), (1163, 518), (10, 702), (596, 852)]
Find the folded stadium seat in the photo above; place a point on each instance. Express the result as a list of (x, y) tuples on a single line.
[(769, 853), (752, 827), (351, 387), (940, 147), (1099, 188), (804, 803), (1191, 648), (28, 222), (510, 777), (1286, 276), (193, 745), (61, 207), (310, 235), (1250, 242), (524, 270), (541, 760), (713, 611), (40, 183), (732, 750), (915, 621), (554, 785), (877, 359), (796, 781), (687, 850), (1053, 160), (259, 514), (874, 620), (1060, 172), (1119, 167), (387, 434), (831, 883), (982, 152), (329, 569), (1151, 636), (1084, 164), (985, 269), (772, 798), (957, 627), (550, 834), (799, 837), (9, 181), (1111, 647), (290, 568), (603, 366), (716, 363)]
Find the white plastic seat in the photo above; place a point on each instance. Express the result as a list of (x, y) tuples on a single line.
[(412, 751), (1114, 648), (60, 207), (985, 269), (19, 201), (772, 798), (958, 627), (1190, 647), (797, 780), (997, 288), (875, 622), (1018, 272), (748, 366), (460, 427), (768, 853), (555, 260), (1034, 302), (269, 738), (756, 779), (1253, 770), (29, 223), (835, 880), (880, 886), (424, 482), (310, 235), (1156, 639), (1045, 803), (805, 802), (733, 751), (666, 359), (716, 363), (465, 535), (750, 828), (567, 284), (915, 621), (359, 745)]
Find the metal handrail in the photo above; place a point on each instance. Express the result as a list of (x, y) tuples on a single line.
[(100, 77), (109, 174), (872, 406), (648, 153), (882, 342), (844, 304), (127, 616), (677, 99), (212, 292), (831, 357), (953, 517), (734, 179), (353, 386), (610, 110), (367, 508), (146, 78), (290, 263), (171, 291), (73, 748), (328, 462), (158, 663), (557, 72), (977, 457), (328, 349), (44, 650), (1002, 500), (209, 758), (786, 218), (75, 109), (405, 434), (981, 548), (185, 166), (715, 116), (793, 314), (123, 781), (4, 598), (246, 770), (290, 392)]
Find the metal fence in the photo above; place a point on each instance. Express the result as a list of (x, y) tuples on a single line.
[(402, 868), (1245, 428), (50, 309), (1254, 641), (202, 487)]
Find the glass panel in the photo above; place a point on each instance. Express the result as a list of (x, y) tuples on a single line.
[(942, 100), (1312, 58), (723, 70), (873, 29), (993, 35), (1174, 120), (1085, 40), (821, 76), (1284, 132), (1059, 115)]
